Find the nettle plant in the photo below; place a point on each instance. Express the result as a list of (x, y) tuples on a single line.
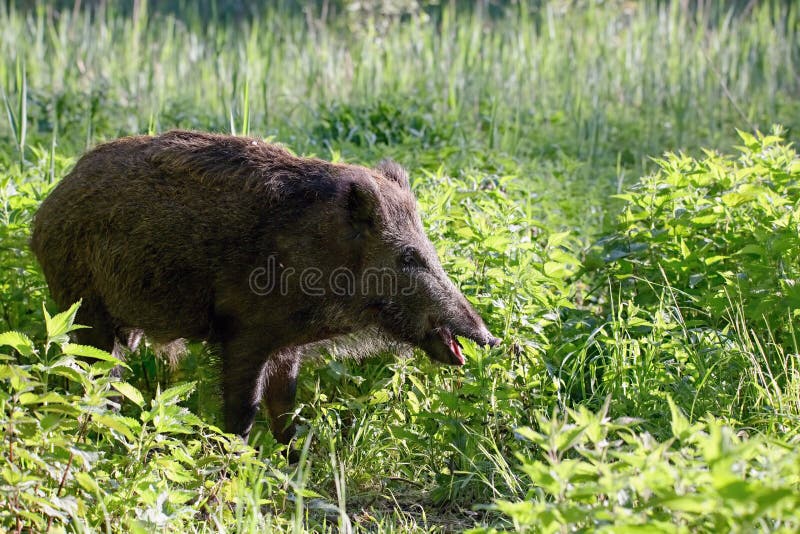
[(69, 459), (589, 472), (722, 235)]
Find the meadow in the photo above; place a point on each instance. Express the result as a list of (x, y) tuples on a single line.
[(612, 184)]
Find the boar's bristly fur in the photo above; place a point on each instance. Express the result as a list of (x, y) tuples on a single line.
[(238, 242)]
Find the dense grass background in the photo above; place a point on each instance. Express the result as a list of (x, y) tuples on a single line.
[(580, 98), (649, 371)]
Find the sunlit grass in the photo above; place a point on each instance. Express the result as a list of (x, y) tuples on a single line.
[(605, 86)]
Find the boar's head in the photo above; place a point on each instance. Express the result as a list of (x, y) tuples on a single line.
[(406, 291)]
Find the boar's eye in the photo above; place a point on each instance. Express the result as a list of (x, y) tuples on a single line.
[(411, 258)]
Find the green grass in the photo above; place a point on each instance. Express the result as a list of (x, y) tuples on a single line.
[(649, 371), (580, 98)]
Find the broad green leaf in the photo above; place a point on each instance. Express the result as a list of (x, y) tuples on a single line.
[(710, 218), (680, 424), (87, 351), (734, 199), (114, 422), (749, 139), (61, 324), (556, 270), (18, 341), (67, 372), (568, 437), (688, 503), (714, 259), (88, 483), (685, 252), (51, 397), (175, 393), (129, 392)]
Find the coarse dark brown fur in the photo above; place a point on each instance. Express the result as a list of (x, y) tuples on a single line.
[(198, 236)]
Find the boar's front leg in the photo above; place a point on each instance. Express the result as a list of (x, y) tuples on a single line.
[(249, 374), (242, 384), (280, 386)]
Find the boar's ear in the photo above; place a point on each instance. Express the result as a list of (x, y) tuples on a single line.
[(394, 171), (362, 206)]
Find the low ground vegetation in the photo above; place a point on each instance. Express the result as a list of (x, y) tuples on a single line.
[(646, 288)]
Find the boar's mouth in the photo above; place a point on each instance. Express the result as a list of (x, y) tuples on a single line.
[(441, 345), (439, 339)]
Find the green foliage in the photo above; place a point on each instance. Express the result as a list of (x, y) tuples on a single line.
[(70, 460), (722, 232), (696, 293), (596, 474), (666, 352), (381, 123), (577, 95), (20, 280), (697, 287)]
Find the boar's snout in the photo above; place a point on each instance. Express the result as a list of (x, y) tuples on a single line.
[(442, 344), (460, 320)]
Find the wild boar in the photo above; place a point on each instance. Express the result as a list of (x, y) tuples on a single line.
[(237, 242)]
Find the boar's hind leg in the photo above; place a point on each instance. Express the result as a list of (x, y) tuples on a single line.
[(280, 384)]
